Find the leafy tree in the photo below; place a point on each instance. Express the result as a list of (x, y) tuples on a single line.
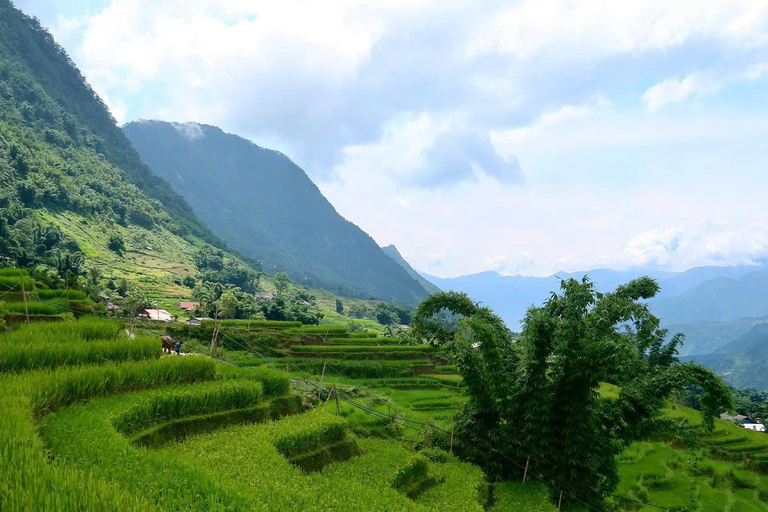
[(116, 244), (206, 259), (282, 280), (359, 311), (93, 276), (189, 282), (339, 307), (122, 287), (229, 305), (538, 397)]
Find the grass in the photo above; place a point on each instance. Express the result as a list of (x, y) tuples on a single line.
[(366, 340), (514, 497), (33, 308), (178, 403), (61, 294), (319, 329), (83, 330), (363, 348), (265, 324), (35, 356)]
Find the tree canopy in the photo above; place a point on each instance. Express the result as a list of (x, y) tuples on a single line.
[(537, 397)]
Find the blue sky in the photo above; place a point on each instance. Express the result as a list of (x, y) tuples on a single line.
[(524, 137)]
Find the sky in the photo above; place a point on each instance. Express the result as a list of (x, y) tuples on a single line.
[(522, 137)]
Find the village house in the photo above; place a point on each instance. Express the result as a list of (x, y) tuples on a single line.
[(158, 315), (189, 306), (195, 322), (744, 422)]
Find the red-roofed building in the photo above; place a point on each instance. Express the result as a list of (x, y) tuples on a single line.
[(189, 306)]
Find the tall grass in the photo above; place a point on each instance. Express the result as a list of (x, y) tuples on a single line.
[(19, 358), (363, 341), (61, 294), (13, 283), (175, 403), (28, 480), (320, 329), (33, 308), (50, 390), (268, 324), (363, 348), (361, 369), (84, 329), (5, 272)]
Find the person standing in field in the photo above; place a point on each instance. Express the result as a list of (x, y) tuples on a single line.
[(177, 347)]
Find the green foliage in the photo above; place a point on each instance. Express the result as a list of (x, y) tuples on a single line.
[(388, 314), (538, 398), (35, 355), (339, 307), (320, 329), (61, 294), (261, 324), (34, 308), (282, 281), (116, 244), (3, 313), (363, 348), (177, 403), (362, 369), (283, 220), (514, 496), (291, 307)]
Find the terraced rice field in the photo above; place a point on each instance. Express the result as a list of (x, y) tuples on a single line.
[(128, 429)]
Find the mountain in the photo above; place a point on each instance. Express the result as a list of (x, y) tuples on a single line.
[(393, 253), (696, 295), (265, 206), (703, 338), (743, 363), (44, 98), (719, 299), (72, 183)]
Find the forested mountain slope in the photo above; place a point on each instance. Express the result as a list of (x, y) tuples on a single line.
[(265, 206), (393, 253), (72, 184), (44, 97)]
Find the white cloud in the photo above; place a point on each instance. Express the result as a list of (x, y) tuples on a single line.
[(673, 90), (708, 243)]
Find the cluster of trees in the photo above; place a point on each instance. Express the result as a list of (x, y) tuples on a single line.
[(383, 312), (749, 402), (215, 268), (536, 398)]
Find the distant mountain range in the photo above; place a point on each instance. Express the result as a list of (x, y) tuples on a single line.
[(265, 206), (696, 295)]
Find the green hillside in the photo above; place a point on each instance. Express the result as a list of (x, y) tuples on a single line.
[(743, 363), (71, 181), (393, 253), (265, 206)]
